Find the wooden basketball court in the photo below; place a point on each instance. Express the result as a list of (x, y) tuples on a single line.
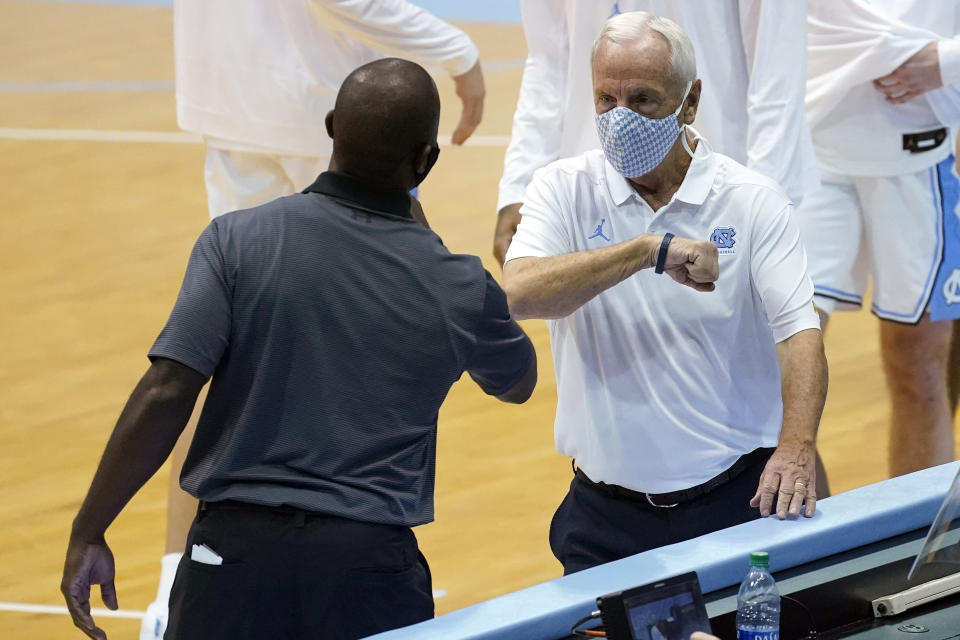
[(102, 199)]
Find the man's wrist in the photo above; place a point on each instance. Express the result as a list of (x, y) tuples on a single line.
[(662, 253), (649, 246), (81, 530), (796, 442)]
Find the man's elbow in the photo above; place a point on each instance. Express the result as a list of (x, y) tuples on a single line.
[(518, 394), (518, 298), (518, 304), (523, 389)]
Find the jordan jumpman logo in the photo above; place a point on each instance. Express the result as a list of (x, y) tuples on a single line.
[(598, 232)]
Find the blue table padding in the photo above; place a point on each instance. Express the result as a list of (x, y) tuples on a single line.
[(721, 559)]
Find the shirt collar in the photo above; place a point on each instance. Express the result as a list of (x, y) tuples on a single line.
[(694, 188), (376, 198)]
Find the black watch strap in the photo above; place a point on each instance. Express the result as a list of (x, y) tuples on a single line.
[(662, 253)]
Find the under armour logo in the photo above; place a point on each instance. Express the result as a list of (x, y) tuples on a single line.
[(951, 288), (598, 232), (360, 215)]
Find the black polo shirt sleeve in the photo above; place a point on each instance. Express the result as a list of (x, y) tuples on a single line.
[(503, 352), (198, 330)]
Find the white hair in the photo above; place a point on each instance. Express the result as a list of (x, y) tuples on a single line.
[(628, 27)]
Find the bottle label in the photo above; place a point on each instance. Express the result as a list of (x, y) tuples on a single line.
[(745, 634)]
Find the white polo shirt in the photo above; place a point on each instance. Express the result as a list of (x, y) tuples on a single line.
[(661, 387)]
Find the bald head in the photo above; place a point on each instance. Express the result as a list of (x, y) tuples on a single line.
[(384, 122)]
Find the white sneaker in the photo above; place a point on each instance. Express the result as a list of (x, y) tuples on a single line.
[(154, 622)]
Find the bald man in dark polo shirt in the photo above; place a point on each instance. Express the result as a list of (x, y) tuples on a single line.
[(333, 324)]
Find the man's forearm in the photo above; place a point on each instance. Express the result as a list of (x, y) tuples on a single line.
[(557, 286), (803, 373), (146, 431)]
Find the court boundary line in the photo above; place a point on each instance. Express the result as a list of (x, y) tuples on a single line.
[(87, 86), (171, 137), (167, 86), (25, 607), (130, 614)]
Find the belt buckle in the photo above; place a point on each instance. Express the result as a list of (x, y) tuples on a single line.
[(659, 506)]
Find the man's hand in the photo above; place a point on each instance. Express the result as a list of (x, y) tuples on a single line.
[(88, 563), (471, 92), (700, 635), (791, 479), (693, 263), (507, 221), (919, 74)]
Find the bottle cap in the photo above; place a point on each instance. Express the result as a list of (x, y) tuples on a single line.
[(759, 559)]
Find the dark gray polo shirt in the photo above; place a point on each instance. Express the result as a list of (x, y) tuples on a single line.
[(333, 326)]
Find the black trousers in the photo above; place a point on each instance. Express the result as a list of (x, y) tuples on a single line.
[(287, 574), (591, 526)]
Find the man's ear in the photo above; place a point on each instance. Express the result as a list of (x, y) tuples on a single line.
[(693, 102), (424, 161), (328, 121)]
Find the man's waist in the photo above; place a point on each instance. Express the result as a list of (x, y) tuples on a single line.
[(295, 514), (886, 153), (673, 498), (317, 497)]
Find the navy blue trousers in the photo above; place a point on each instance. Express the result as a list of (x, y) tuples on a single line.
[(286, 575), (591, 527)]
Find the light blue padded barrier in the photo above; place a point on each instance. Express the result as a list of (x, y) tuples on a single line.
[(845, 521)]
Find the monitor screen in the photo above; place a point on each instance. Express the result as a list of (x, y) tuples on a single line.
[(668, 609), (673, 615)]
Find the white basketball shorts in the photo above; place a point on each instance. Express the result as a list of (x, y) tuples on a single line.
[(243, 179), (885, 229)]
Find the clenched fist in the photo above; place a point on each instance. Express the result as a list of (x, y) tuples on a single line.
[(693, 263)]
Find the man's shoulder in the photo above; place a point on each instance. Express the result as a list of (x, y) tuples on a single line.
[(460, 267), (268, 211), (749, 183), (589, 164)]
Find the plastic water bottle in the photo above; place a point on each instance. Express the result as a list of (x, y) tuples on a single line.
[(758, 603)]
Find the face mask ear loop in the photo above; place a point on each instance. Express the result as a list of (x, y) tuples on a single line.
[(683, 140), (683, 127)]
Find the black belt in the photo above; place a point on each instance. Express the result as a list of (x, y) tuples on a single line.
[(924, 141), (673, 498), (300, 516)]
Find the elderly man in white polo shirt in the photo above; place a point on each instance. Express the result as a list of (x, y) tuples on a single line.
[(686, 409)]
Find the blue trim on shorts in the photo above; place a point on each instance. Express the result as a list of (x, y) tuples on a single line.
[(837, 294), (914, 317)]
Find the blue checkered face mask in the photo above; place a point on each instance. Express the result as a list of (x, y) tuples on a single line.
[(634, 144)]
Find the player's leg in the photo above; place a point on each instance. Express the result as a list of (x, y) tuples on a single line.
[(301, 171), (241, 179), (905, 229), (181, 509), (234, 180), (831, 229), (953, 368), (915, 363), (953, 364), (181, 506)]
